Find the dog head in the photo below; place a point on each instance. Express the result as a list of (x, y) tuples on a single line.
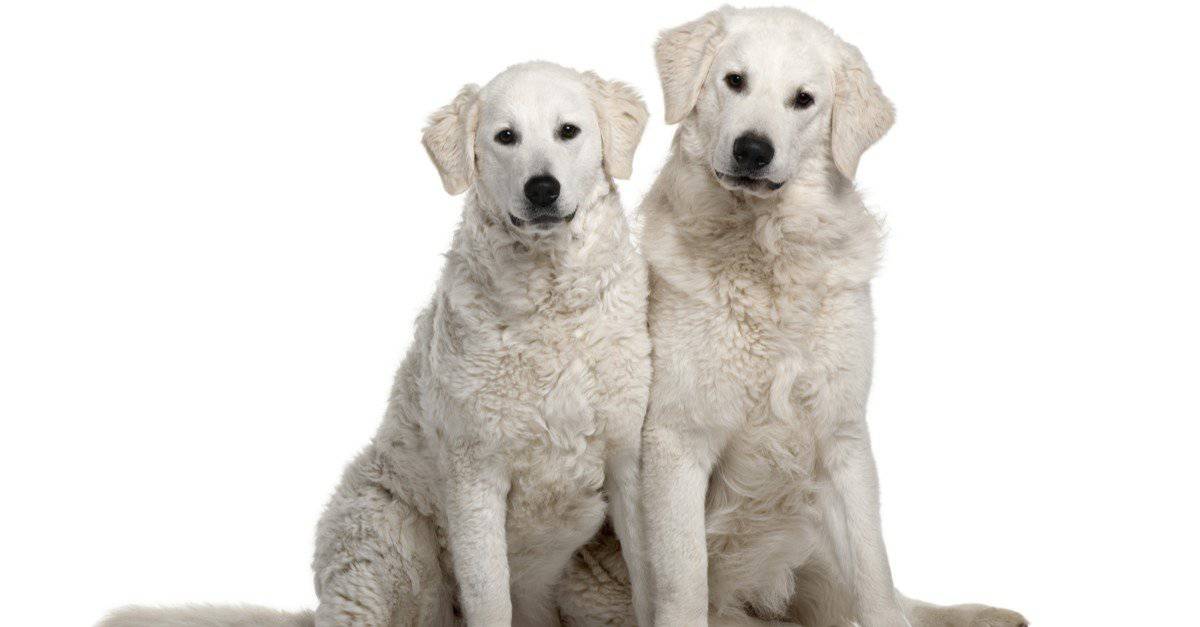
[(764, 92), (536, 141)]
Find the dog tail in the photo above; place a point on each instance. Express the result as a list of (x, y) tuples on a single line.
[(206, 616)]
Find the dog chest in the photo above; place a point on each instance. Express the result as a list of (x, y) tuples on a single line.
[(557, 467), (761, 512), (792, 351), (533, 398)]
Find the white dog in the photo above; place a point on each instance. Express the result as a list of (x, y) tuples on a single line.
[(521, 401), (759, 487)]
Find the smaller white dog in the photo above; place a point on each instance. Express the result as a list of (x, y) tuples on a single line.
[(521, 401)]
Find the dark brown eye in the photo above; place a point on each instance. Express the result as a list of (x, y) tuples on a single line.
[(803, 100), (735, 81), (506, 137), (568, 131)]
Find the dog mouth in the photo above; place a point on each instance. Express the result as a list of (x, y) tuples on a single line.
[(542, 221), (748, 183)]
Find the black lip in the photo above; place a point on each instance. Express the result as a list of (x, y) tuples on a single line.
[(749, 182), (541, 220)]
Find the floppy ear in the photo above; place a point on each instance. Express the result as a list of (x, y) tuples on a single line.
[(450, 140), (622, 116), (683, 55), (861, 113)]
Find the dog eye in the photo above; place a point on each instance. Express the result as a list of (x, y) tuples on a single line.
[(803, 100), (568, 131), (735, 81), (506, 137)]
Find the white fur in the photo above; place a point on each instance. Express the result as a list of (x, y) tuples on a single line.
[(760, 491), (519, 407)]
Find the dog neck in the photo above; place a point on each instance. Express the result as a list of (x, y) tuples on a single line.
[(814, 229), (521, 271)]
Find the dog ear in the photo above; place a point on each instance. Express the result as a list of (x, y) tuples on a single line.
[(861, 113), (683, 55), (622, 116), (450, 140)]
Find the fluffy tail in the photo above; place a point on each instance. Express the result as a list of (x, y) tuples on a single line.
[(206, 616)]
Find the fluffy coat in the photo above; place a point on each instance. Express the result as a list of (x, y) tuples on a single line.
[(514, 422), (760, 490)]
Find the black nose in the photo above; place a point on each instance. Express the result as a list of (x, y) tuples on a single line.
[(752, 152), (542, 190)]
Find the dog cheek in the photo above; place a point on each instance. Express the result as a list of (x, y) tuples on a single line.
[(696, 138), (810, 140), (717, 133)]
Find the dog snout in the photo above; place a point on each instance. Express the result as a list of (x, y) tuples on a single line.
[(542, 191), (752, 152)]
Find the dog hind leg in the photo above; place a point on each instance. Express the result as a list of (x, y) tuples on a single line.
[(822, 599), (595, 588), (377, 562), (595, 591)]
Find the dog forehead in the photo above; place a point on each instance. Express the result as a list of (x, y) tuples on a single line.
[(774, 20), (777, 43), (534, 92)]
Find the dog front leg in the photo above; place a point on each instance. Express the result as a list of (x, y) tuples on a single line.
[(622, 484), (476, 502), (674, 484), (851, 468)]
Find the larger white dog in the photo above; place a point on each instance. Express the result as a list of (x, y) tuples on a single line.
[(759, 486), (521, 401)]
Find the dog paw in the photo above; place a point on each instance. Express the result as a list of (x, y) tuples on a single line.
[(997, 617)]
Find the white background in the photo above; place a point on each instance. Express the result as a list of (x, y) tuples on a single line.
[(218, 225)]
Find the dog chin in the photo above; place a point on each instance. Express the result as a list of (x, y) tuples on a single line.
[(762, 187)]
